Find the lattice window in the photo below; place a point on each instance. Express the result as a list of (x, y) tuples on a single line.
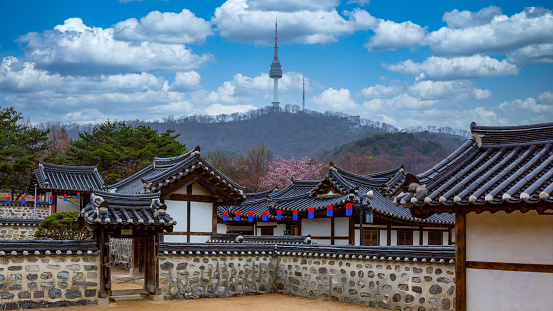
[(404, 237), (371, 237)]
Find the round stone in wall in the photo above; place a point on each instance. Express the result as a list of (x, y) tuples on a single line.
[(435, 289)]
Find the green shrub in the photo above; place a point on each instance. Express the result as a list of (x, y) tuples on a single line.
[(61, 226)]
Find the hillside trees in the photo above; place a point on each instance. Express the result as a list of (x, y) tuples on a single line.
[(120, 150), (57, 144), (20, 144)]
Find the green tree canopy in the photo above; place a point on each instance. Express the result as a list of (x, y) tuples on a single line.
[(61, 226), (20, 149), (121, 150)]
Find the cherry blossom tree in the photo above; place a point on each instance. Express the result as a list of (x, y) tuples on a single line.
[(280, 170)]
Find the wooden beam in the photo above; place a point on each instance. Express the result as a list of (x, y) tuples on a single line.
[(191, 197), (187, 233), (389, 235), (421, 235), (460, 262), (507, 266)]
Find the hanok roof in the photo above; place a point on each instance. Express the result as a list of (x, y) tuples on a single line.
[(350, 187), (263, 239), (498, 168), (166, 171), (142, 210), (66, 179)]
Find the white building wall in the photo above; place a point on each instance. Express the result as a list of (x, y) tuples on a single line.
[(221, 228), (425, 238), (174, 238), (383, 237), (508, 290), (177, 210), (446, 238), (279, 230), (201, 217), (341, 227), (341, 242), (199, 238), (513, 238), (315, 226), (416, 237), (393, 234), (356, 236)]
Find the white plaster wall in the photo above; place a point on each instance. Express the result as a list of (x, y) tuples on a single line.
[(321, 241), (356, 236), (199, 190), (425, 238), (221, 228), (341, 226), (341, 242), (393, 234), (177, 210), (315, 226), (513, 238), (199, 238), (446, 238), (174, 238), (279, 230), (383, 237), (258, 232), (453, 235), (508, 290), (201, 216), (416, 237)]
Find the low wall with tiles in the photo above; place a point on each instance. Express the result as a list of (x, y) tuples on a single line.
[(372, 277), (17, 231), (17, 210), (56, 274)]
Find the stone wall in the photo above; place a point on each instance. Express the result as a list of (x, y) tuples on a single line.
[(121, 252), (24, 211), (391, 285), (37, 274), (407, 284), (17, 232)]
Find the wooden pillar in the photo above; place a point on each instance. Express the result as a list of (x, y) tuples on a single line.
[(389, 234), (421, 236), (105, 274), (460, 262), (151, 279), (360, 225), (188, 208), (135, 254), (332, 235), (54, 207), (351, 231), (214, 220)]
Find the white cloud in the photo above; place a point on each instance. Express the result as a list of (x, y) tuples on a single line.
[(532, 54), (337, 100), (541, 107), (389, 35), (307, 22), (186, 81), (216, 109), (464, 19), (468, 67), (380, 90), (183, 27), (360, 2), (458, 90), (292, 5), (74, 48), (500, 35)]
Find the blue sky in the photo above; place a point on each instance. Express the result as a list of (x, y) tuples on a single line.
[(408, 63)]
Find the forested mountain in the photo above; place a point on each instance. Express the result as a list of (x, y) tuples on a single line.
[(417, 151), (288, 132)]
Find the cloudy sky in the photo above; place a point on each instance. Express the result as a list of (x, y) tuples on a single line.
[(408, 63)]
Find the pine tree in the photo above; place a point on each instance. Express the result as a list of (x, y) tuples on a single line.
[(20, 148)]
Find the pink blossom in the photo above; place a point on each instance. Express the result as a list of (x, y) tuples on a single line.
[(280, 171)]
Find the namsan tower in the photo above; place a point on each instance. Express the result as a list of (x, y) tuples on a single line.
[(276, 71)]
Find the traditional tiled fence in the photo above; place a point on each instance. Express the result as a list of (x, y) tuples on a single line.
[(397, 278), (37, 274), (24, 211)]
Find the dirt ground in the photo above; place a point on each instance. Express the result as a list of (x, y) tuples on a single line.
[(241, 303), (121, 280)]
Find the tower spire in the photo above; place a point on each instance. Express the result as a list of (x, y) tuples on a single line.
[(276, 45)]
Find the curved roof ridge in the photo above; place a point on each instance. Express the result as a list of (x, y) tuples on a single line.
[(266, 193), (498, 136), (67, 168), (125, 196), (158, 161)]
